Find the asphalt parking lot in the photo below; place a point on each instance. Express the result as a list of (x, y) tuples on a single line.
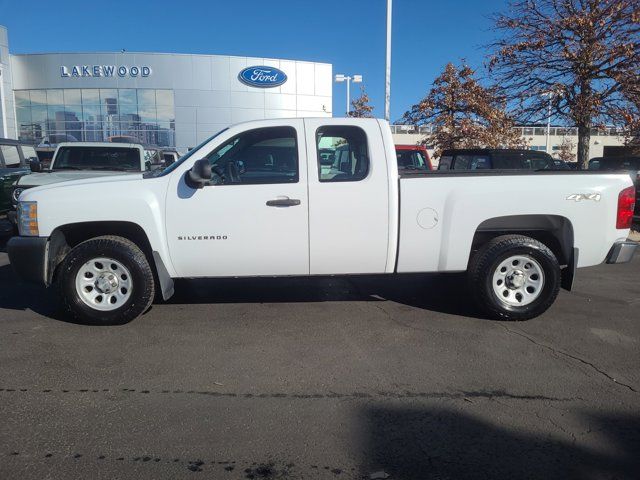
[(324, 378)]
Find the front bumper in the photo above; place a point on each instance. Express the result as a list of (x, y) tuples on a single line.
[(28, 257), (622, 252)]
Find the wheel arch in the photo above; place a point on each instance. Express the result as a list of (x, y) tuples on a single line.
[(555, 231), (65, 237)]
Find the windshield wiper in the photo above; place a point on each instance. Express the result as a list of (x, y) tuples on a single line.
[(114, 169), (66, 168)]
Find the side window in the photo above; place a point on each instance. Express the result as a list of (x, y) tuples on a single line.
[(480, 162), (463, 162), (11, 156), (29, 153), (263, 155), (541, 163), (347, 147), (445, 162)]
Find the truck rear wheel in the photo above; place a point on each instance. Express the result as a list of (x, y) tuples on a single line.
[(106, 280), (514, 277)]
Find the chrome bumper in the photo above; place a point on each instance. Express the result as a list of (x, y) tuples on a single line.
[(622, 252)]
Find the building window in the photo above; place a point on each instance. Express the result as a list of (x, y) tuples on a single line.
[(53, 116)]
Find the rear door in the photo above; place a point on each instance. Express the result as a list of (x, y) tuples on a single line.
[(349, 199)]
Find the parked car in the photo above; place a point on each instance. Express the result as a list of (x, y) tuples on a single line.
[(413, 157), (495, 159), (77, 160), (254, 200), (15, 160), (561, 165), (629, 164)]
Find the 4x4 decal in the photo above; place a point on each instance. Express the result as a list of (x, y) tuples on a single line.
[(578, 197)]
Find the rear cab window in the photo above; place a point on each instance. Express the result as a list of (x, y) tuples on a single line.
[(472, 162), (411, 160), (343, 155)]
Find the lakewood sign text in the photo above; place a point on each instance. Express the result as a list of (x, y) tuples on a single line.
[(104, 71)]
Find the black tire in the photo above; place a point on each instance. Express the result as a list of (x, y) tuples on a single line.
[(129, 255), (485, 262)]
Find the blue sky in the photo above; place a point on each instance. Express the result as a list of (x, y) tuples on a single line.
[(350, 34)]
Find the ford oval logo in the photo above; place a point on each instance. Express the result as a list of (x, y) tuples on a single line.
[(262, 77)]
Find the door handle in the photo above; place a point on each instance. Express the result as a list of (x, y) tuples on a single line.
[(283, 202)]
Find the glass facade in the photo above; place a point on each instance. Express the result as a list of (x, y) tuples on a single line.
[(96, 115)]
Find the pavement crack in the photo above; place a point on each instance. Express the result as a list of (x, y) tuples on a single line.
[(568, 355), (466, 396), (396, 321)]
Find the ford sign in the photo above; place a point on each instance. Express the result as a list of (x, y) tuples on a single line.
[(262, 77)]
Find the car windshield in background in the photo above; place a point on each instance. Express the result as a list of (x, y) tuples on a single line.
[(619, 164), (97, 158), (411, 160)]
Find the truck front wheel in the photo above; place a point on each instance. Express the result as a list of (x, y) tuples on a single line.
[(514, 277), (106, 280)]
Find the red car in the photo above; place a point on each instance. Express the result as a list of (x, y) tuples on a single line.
[(413, 158)]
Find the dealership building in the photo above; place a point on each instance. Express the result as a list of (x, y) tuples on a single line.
[(171, 100)]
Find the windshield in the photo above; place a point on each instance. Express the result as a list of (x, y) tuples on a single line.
[(97, 158), (620, 164), (173, 166)]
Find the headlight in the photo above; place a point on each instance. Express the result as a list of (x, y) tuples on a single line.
[(16, 194), (27, 216)]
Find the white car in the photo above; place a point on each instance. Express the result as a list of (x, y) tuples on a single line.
[(79, 160), (255, 200)]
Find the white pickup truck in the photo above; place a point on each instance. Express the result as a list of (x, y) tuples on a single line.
[(80, 160), (258, 199)]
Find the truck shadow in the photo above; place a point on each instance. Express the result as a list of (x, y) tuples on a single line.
[(445, 293), (416, 442)]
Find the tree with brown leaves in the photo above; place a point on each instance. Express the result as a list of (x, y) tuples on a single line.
[(360, 107), (579, 51), (463, 113), (566, 153)]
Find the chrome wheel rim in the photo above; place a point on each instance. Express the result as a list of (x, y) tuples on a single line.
[(518, 280), (104, 284)]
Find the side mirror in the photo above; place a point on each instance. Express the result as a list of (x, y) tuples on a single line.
[(35, 165), (200, 174)]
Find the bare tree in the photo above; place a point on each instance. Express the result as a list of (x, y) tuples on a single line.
[(463, 113), (360, 107), (579, 50)]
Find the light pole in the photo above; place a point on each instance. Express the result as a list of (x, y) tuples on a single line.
[(5, 128), (387, 83), (550, 94), (348, 78)]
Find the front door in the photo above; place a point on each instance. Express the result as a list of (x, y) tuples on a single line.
[(253, 220)]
